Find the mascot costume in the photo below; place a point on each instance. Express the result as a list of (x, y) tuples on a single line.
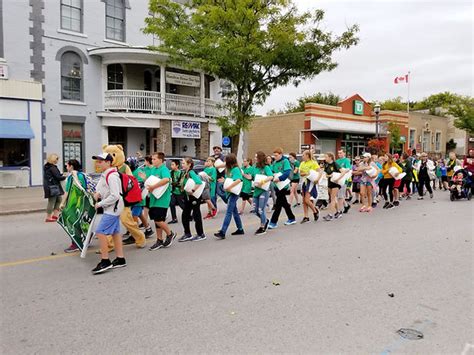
[(116, 151)]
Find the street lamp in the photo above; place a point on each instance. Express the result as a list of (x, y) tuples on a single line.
[(377, 112)]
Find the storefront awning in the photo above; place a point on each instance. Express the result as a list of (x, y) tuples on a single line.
[(15, 129), (331, 125)]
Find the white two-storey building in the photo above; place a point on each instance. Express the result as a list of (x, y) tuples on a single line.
[(101, 85)]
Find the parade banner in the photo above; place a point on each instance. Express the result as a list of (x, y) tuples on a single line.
[(78, 214)]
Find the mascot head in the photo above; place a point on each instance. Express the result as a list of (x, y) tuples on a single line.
[(116, 151)]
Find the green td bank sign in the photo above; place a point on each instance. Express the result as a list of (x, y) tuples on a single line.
[(358, 108)]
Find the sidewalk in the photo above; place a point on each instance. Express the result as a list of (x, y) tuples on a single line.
[(22, 200)]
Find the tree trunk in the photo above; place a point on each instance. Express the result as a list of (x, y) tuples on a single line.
[(235, 144)]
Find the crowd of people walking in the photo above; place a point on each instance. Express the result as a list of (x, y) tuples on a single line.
[(319, 183)]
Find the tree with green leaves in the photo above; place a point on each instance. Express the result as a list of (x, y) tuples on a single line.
[(395, 104), (256, 45), (464, 115), (395, 136), (318, 98)]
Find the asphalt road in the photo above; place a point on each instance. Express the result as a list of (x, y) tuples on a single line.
[(223, 296)]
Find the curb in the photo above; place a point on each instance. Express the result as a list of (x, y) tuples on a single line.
[(33, 210)]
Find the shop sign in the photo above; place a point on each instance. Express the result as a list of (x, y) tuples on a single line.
[(183, 79), (358, 107), (353, 137), (185, 129), (304, 147), (72, 133)]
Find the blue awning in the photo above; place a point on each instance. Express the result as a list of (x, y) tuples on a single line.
[(15, 129)]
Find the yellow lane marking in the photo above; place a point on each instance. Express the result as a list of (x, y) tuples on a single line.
[(60, 256)]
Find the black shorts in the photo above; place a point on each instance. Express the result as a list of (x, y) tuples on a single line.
[(245, 196), (295, 181), (158, 214), (356, 187), (147, 202), (332, 185), (444, 178)]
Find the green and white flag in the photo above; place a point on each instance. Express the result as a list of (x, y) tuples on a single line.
[(78, 215)]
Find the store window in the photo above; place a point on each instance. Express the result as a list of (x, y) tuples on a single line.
[(118, 135), (72, 142), (71, 77), (71, 15), (114, 77), (14, 152), (115, 20), (438, 141)]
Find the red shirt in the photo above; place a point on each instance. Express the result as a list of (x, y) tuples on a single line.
[(469, 164)]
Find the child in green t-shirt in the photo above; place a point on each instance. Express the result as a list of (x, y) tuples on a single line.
[(211, 179), (246, 193)]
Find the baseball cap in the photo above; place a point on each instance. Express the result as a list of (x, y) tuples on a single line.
[(103, 156), (366, 155)]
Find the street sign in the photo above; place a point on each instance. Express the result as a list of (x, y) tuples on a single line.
[(304, 147), (226, 141)]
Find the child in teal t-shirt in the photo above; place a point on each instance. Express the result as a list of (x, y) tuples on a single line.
[(211, 172), (246, 193)]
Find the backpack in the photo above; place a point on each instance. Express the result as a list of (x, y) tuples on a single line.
[(131, 192)]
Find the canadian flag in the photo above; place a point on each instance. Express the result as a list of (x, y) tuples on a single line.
[(401, 79)]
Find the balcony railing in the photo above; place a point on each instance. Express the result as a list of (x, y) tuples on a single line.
[(150, 102)]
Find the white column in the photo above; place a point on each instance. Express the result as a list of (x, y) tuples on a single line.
[(202, 95), (163, 88)]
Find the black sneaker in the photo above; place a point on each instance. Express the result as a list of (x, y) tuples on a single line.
[(355, 202), (157, 245), (128, 241), (118, 263), (338, 215), (390, 206), (238, 232), (304, 220), (266, 225), (260, 231), (185, 238), (126, 235), (219, 235), (420, 198), (173, 221), (396, 203), (347, 208), (408, 197), (328, 218), (149, 232), (316, 215), (169, 239), (386, 204), (103, 266), (198, 238), (431, 195)]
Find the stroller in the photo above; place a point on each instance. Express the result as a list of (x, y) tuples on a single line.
[(466, 186)]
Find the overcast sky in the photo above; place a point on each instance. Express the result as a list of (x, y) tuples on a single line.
[(433, 39)]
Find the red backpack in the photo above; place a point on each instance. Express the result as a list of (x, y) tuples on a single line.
[(131, 192)]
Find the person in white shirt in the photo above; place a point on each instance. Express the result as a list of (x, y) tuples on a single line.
[(108, 198)]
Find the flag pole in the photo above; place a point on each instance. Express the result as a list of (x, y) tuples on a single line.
[(408, 94)]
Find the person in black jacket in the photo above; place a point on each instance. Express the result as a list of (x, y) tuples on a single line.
[(52, 187)]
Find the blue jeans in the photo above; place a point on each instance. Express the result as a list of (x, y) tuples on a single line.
[(260, 205), (231, 211), (219, 192)]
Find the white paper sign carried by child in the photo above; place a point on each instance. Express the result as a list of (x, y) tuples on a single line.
[(191, 184), (281, 184), (259, 178), (236, 189), (158, 192)]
